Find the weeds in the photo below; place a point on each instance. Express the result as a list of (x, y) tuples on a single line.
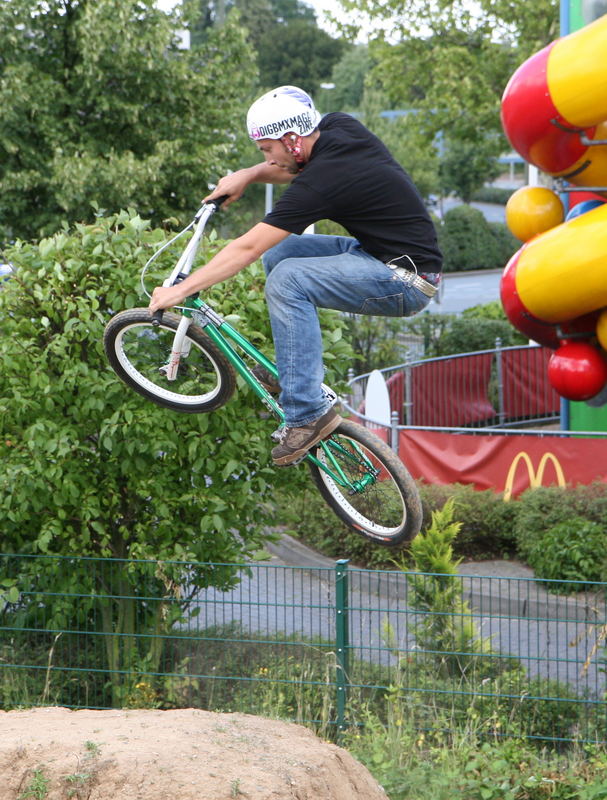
[(37, 788), (80, 783), (92, 749)]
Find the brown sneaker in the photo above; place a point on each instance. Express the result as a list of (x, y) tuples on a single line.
[(267, 380), (297, 441)]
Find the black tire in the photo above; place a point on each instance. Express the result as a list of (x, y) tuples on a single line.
[(138, 350), (388, 510)]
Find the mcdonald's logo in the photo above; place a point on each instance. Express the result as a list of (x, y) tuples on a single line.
[(535, 478)]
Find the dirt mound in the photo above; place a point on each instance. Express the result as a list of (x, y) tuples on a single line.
[(58, 754)]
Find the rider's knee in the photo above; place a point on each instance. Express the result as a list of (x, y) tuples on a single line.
[(272, 257), (282, 280)]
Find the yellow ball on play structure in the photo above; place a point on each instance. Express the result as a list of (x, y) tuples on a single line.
[(532, 210)]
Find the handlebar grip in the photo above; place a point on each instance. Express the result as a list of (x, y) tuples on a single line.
[(157, 317), (218, 201)]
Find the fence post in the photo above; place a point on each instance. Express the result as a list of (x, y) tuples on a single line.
[(342, 641), (394, 431), (350, 378), (501, 413), (408, 396)]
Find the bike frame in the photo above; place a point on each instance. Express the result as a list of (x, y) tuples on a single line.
[(223, 335)]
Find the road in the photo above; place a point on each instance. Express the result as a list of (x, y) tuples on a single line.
[(463, 290)]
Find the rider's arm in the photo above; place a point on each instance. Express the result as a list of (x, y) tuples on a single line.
[(235, 256), (233, 185)]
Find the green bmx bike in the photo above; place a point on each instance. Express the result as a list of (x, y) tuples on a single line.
[(189, 361)]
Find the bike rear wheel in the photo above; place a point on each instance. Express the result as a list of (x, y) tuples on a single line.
[(386, 507), (139, 352)]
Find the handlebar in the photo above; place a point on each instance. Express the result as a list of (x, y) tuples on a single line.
[(219, 201), (184, 264)]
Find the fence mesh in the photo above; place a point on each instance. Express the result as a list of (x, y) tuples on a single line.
[(318, 645)]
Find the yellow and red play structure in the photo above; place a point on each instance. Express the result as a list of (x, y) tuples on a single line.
[(554, 289)]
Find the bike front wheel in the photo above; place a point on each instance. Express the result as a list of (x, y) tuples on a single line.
[(139, 353), (380, 501)]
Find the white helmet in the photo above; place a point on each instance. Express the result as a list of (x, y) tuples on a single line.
[(283, 110)]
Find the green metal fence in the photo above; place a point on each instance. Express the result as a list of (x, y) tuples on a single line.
[(504, 656)]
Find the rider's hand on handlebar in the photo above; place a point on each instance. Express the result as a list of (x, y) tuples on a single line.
[(166, 297), (232, 185)]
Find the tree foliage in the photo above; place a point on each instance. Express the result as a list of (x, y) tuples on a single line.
[(376, 342), (451, 60), (257, 16), (99, 104), (92, 469), (349, 78), (465, 167), (298, 53), (289, 45), (476, 328), (468, 241)]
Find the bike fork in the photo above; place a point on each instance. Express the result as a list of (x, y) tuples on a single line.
[(181, 349)]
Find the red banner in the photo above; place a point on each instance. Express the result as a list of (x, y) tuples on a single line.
[(508, 464)]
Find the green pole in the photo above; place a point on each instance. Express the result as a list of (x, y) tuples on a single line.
[(342, 641)]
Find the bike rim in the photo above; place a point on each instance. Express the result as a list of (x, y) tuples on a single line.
[(141, 359), (380, 508)]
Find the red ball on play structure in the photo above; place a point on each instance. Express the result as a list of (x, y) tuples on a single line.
[(577, 370)]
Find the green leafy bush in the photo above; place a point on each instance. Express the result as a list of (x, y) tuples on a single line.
[(506, 245), (486, 532), (552, 532), (463, 768), (93, 469), (475, 329), (492, 310), (487, 522), (573, 550), (469, 242), (465, 335), (560, 532)]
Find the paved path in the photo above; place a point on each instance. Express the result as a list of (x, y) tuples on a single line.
[(461, 290)]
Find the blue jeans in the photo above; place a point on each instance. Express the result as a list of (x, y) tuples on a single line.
[(313, 271)]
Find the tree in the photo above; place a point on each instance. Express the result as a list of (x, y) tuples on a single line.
[(100, 105), (375, 341), (476, 328), (451, 61), (290, 47), (94, 470), (298, 53), (349, 78), (257, 16), (466, 167), (446, 634)]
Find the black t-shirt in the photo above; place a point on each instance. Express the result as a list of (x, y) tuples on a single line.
[(351, 178)]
